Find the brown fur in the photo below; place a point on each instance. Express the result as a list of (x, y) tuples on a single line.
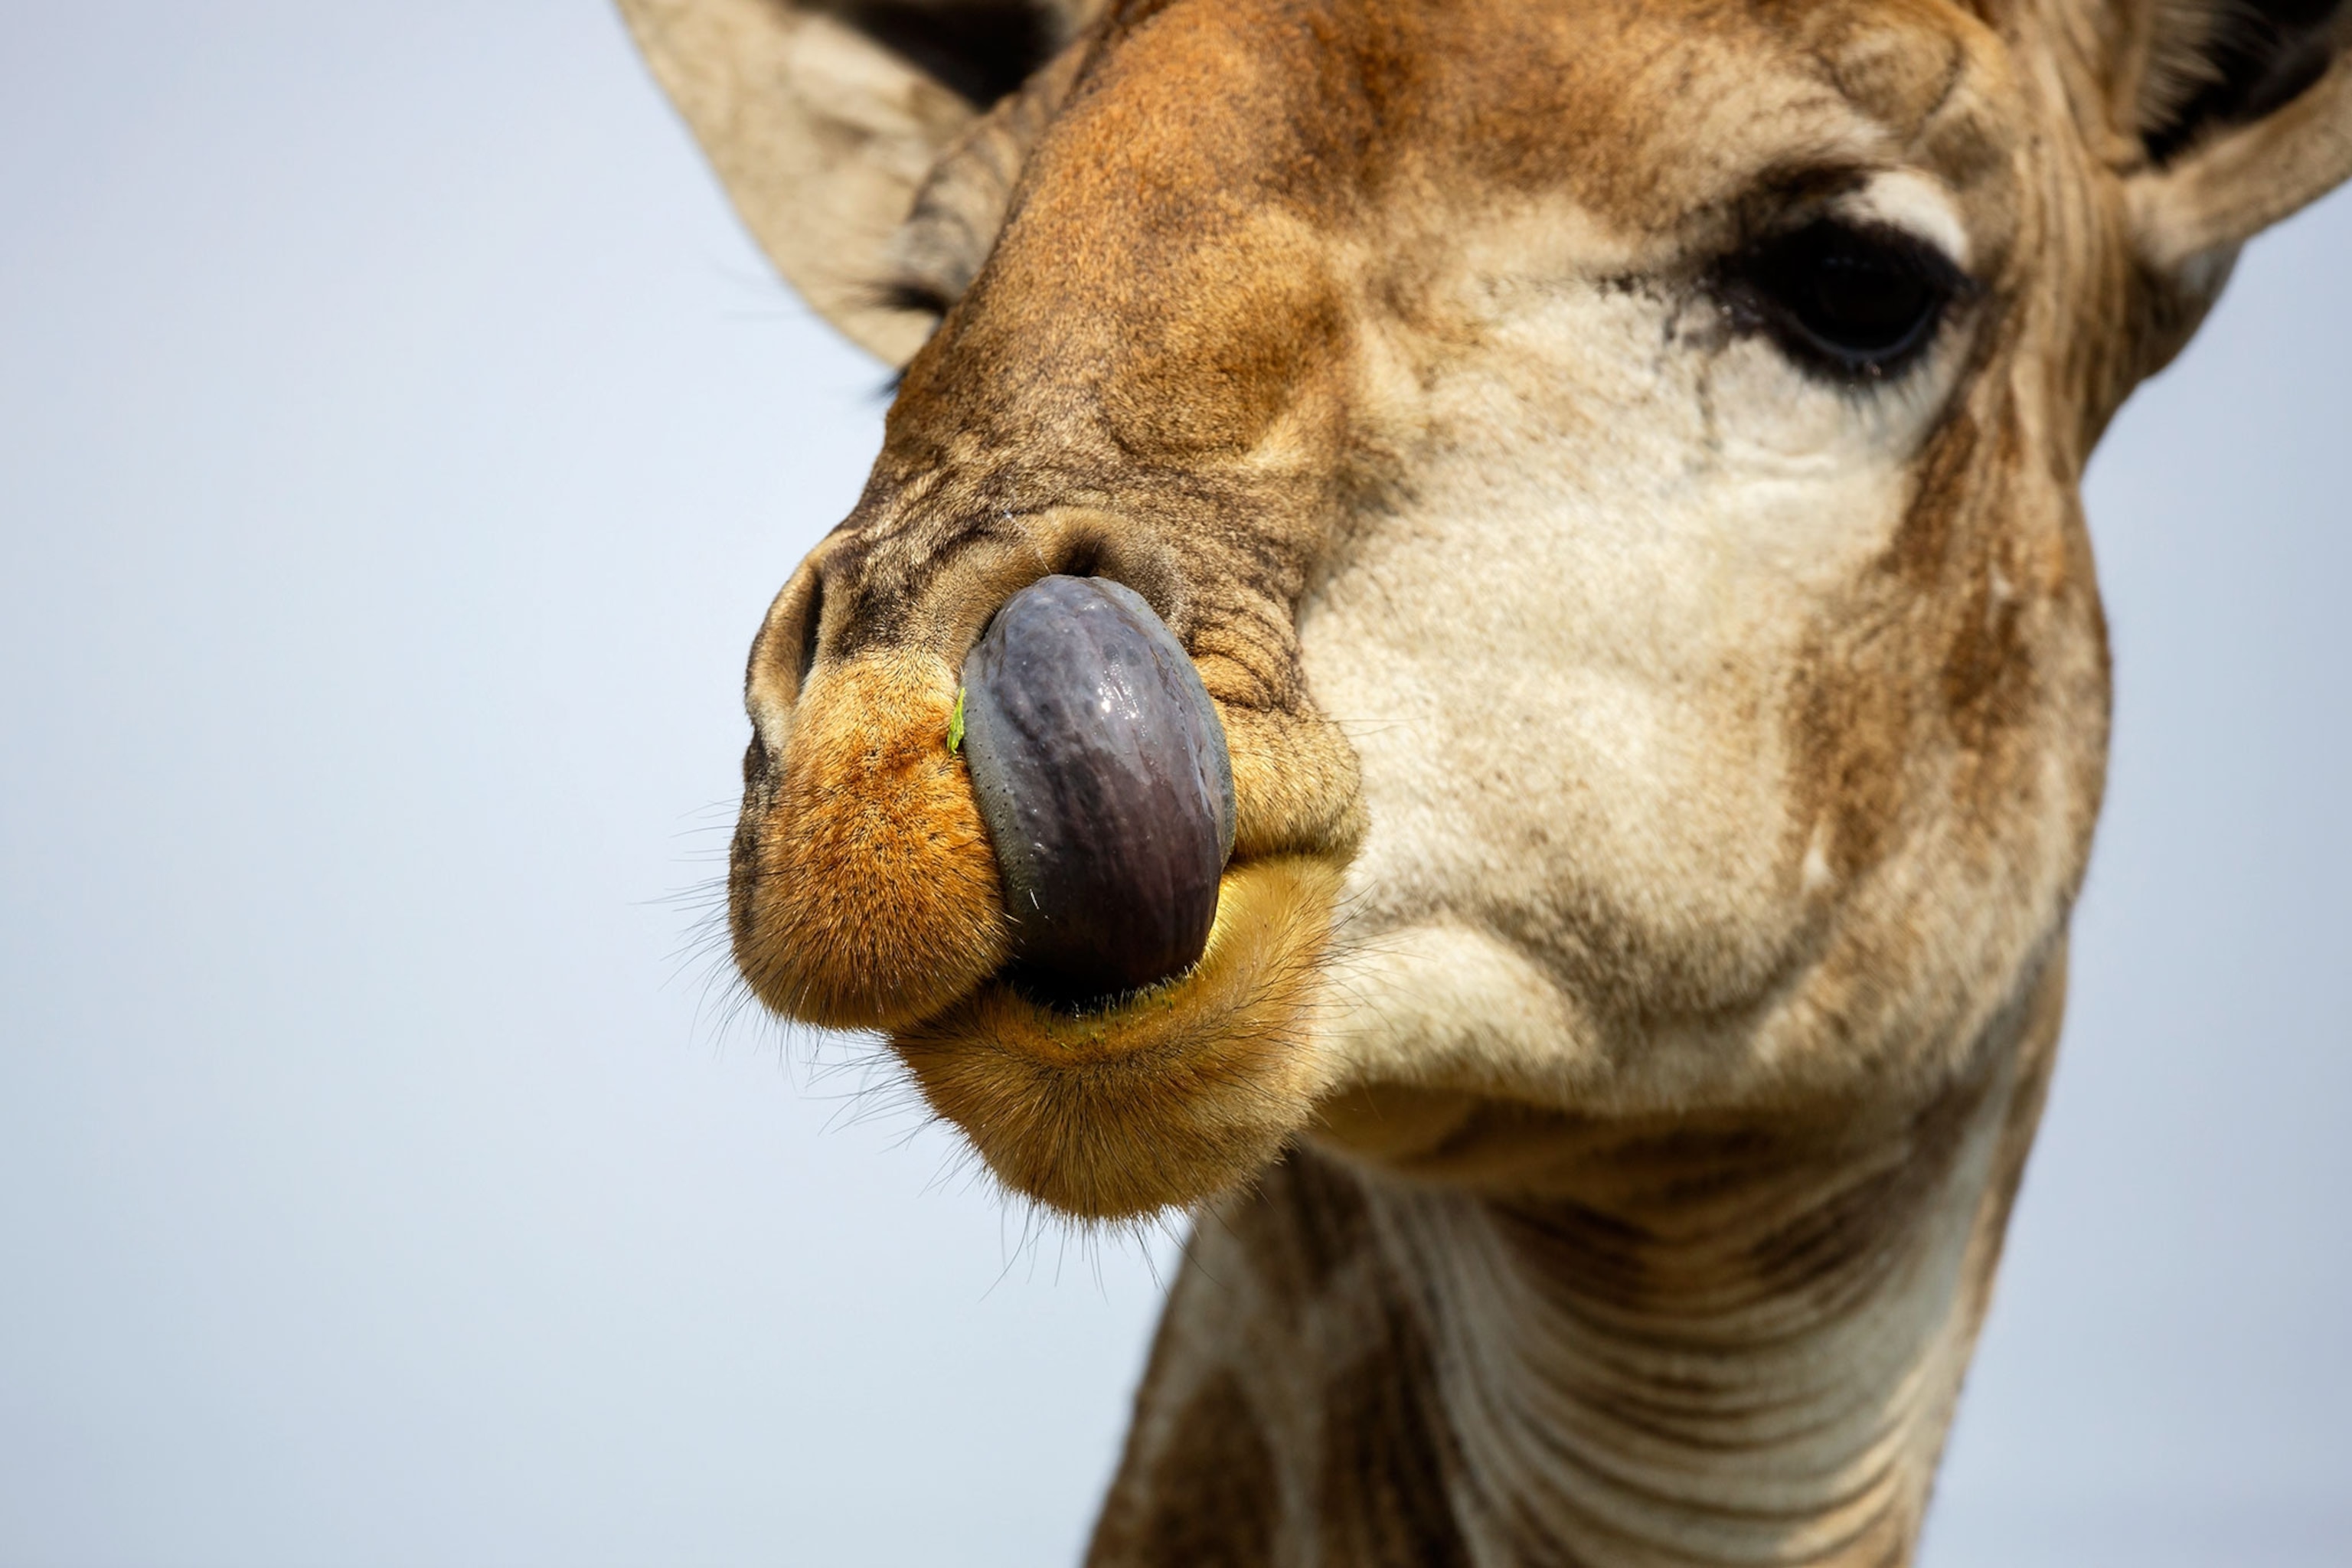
[(1214, 1502), (866, 895), (1298, 1261), (1637, 978)]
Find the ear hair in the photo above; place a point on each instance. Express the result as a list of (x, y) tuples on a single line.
[(980, 50), (2244, 111), (2191, 214), (2209, 64), (824, 118), (960, 206)]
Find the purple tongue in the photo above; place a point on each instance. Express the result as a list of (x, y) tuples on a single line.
[(1101, 771)]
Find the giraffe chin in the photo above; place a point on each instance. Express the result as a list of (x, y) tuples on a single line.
[(1176, 1092)]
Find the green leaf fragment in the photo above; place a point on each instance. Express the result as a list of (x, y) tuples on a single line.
[(955, 725)]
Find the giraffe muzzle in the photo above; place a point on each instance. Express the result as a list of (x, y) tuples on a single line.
[(1100, 769), (1033, 864)]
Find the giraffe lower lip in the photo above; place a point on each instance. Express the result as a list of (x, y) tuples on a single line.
[(1100, 766), (1176, 1090)]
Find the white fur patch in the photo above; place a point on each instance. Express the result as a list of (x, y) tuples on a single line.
[(1570, 659), (1914, 203)]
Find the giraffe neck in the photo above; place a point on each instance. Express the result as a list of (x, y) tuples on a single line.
[(1674, 1344)]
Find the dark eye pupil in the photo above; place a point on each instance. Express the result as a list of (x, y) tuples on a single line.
[(1858, 300)]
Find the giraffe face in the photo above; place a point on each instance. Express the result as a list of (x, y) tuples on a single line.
[(1613, 465)]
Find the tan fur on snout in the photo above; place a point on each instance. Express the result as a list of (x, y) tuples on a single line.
[(865, 894)]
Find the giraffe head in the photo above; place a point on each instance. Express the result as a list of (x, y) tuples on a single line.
[(1612, 467)]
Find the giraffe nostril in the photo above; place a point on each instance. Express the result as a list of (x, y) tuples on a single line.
[(1100, 769), (776, 675)]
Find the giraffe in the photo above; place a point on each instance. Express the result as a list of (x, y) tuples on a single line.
[(1613, 467)]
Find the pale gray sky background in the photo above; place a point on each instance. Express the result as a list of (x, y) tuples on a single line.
[(398, 444)]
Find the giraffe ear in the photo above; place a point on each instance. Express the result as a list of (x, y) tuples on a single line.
[(2245, 109), (824, 118)]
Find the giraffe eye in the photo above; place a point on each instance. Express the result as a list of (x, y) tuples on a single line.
[(1858, 303)]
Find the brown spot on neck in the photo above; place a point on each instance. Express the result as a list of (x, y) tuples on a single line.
[(1210, 1500), (1306, 1223), (1388, 1456)]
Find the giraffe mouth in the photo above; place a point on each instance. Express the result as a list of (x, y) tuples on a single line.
[(1169, 1093), (1148, 1040), (1046, 924)]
